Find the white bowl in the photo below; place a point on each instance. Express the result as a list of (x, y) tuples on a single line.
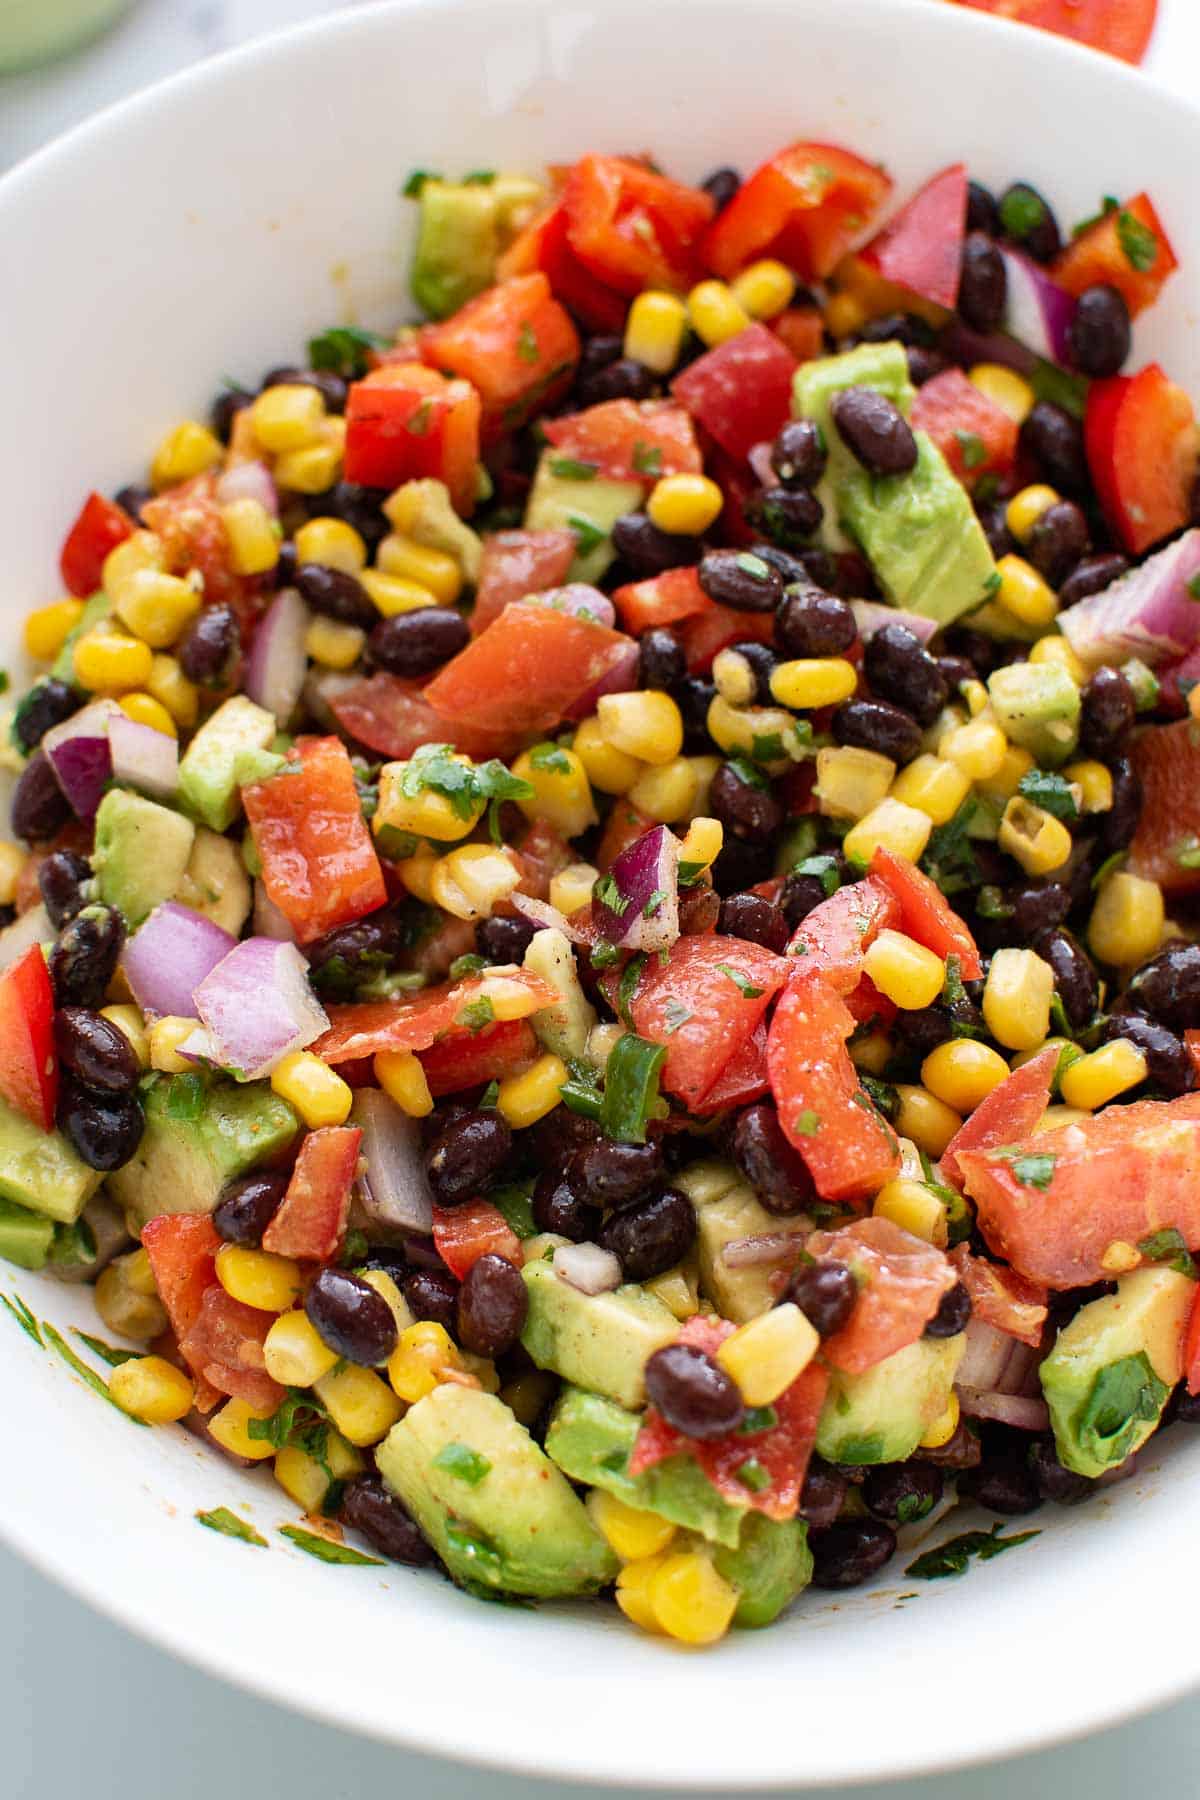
[(206, 228)]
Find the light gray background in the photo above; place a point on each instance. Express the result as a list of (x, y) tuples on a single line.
[(84, 1707)]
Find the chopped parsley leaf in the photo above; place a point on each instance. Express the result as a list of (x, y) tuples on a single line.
[(1051, 792), (325, 1550), (753, 1475), (550, 758), (463, 1463), (477, 1015), (675, 1014), (230, 1525), (607, 893), (416, 181), (1168, 1246), (1036, 1169), (588, 534), (741, 982), (809, 1123), (973, 448), (1138, 243), (653, 903), (1021, 211), (647, 458), (342, 350), (569, 468), (527, 344), (952, 1557), (463, 966)]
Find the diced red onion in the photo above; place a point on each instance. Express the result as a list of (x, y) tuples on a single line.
[(394, 1192), (248, 481), (995, 1362), (646, 879), (33, 927), (1007, 1409), (621, 677), (1039, 311), (278, 662), (80, 754), (144, 758), (165, 961), (1149, 613), (760, 464), (199, 1046), (871, 616), (588, 1268), (580, 600), (967, 347), (767, 1250), (421, 1251), (259, 1007), (543, 915), (267, 920)]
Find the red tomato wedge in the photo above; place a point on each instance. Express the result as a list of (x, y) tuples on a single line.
[(1052, 1204), (801, 329), (1008, 1115), (835, 934), (806, 206), (624, 440), (849, 1148), (460, 1061), (526, 670), (1167, 758), (921, 247), (660, 600), (1140, 436), (902, 1281), (100, 527), (189, 522), (704, 635), (404, 421), (544, 245), (975, 436), (392, 717), (925, 913), (224, 1345), (311, 1222), (318, 861), (742, 1080), (182, 1248), (414, 1024), (515, 345), (516, 563), (782, 1452), (1127, 248), (633, 229), (741, 391), (28, 1062), (1002, 1298), (1120, 27), (462, 1234)]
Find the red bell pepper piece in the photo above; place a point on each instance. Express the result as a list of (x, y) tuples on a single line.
[(311, 1222), (182, 1248), (544, 245), (1127, 248), (1140, 437), (100, 527), (367, 1027), (462, 1234), (742, 1080), (741, 391), (28, 1061), (925, 913), (801, 329), (921, 247), (660, 600), (514, 344), (704, 635), (805, 206), (1167, 760), (1007, 1115), (461, 1061), (633, 229), (404, 421)]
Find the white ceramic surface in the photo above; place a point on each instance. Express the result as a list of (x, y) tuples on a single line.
[(206, 228)]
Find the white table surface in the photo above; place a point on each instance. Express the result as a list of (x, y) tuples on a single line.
[(86, 1707)]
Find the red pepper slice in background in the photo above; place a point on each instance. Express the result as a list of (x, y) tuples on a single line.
[(100, 527), (311, 1221), (462, 1061), (634, 229), (1120, 27), (1140, 437), (1126, 248), (544, 245), (806, 206), (404, 421)]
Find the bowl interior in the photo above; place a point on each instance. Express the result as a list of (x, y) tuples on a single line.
[(207, 229)]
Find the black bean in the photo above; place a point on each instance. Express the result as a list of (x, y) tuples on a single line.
[(1100, 334), (661, 661), (956, 670), (800, 895), (387, 1257), (225, 408), (376, 1514), (599, 350), (48, 703), (811, 622), (351, 1317), (1058, 541), (952, 1314), (608, 1173), (922, 1029), (104, 1129), (777, 1172), (95, 1050), (61, 878), (897, 328), (338, 594), (1036, 906), (286, 563), (1091, 576), (1168, 987), (693, 696), (649, 1237), (1055, 442), (1184, 1408), (982, 212), (504, 938), (903, 1492), (1168, 1064), (623, 379), (746, 811), (822, 1495), (1052, 1481), (557, 1136), (351, 953), (826, 1293), (331, 387), (699, 910), (794, 567), (559, 1206), (788, 516), (1074, 976), (1002, 1483), (414, 643), (39, 807), (693, 1393), (923, 364), (846, 1555), (1120, 822), (756, 919), (722, 185), (492, 1304), (741, 580), (647, 551), (432, 1294), (466, 1155), (1107, 714), (877, 725), (248, 1205), (84, 959), (983, 283), (359, 506), (901, 670), (1026, 218), (798, 455), (740, 865), (875, 432), (993, 520), (210, 645), (760, 666), (132, 498), (978, 650)]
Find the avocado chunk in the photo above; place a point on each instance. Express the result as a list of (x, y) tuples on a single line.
[(215, 883), (726, 1209), (457, 246), (591, 1439), (1112, 1369), (882, 1415), (40, 1170), (600, 1341), (492, 1504), (25, 1237), (588, 508), (141, 854), (1037, 706), (770, 1566), (198, 1136), (207, 768), (563, 1027)]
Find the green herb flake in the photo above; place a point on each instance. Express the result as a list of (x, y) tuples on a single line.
[(464, 966), (108, 1353), (607, 893), (463, 1463), (675, 1014), (973, 449), (949, 859), (881, 1094), (1138, 243), (631, 1088), (1021, 212), (912, 1507), (96, 1382), (1108, 867), (752, 565), (343, 350), (515, 1202), (647, 459), (809, 1123), (477, 1015), (185, 1099), (1108, 205), (467, 786), (952, 1557), (326, 1551), (581, 1092), (824, 869), (741, 982), (746, 772), (418, 423), (1124, 1396), (479, 178), (627, 987), (489, 1096), (587, 534), (4, 681), (991, 904), (230, 1525), (1035, 1170), (1051, 792), (551, 758), (767, 747), (603, 956), (757, 1419), (993, 584), (753, 1475), (1186, 853), (527, 344), (690, 872), (569, 468), (16, 1306), (1168, 1246), (416, 181)]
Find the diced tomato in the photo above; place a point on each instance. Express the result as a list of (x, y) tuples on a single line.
[(660, 600), (525, 671), (1167, 759), (1101, 255), (28, 1062), (543, 853), (1002, 1298), (801, 329), (311, 1222), (225, 1346), (921, 247), (365, 1028), (543, 245), (405, 421), (975, 436), (1120, 27), (182, 1248), (706, 634), (741, 392), (633, 229), (867, 1006), (516, 563), (902, 1282), (1008, 1114), (1191, 1347), (1140, 436), (925, 913), (514, 344), (805, 206), (849, 1148), (462, 1234), (100, 527), (743, 1079), (393, 717), (1052, 1204), (188, 520), (834, 935), (461, 1061), (318, 862), (624, 440), (624, 824)]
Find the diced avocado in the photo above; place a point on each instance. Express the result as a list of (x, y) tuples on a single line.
[(599, 1341), (458, 242), (207, 782), (142, 850), (198, 1136), (1037, 706), (770, 1566), (25, 1237), (727, 1209), (492, 1504), (94, 609), (1112, 1369), (591, 1439), (562, 1028), (588, 508), (882, 1415), (422, 510), (883, 367), (40, 1170), (215, 882)]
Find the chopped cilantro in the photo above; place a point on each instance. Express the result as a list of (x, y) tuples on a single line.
[(587, 534), (230, 1525), (653, 903), (757, 1419), (477, 1015), (809, 1123), (515, 1202), (1051, 792), (463, 966), (881, 1094), (647, 459), (753, 1475), (949, 858), (467, 786), (1168, 1246), (952, 1557), (108, 1353), (973, 448), (745, 771), (675, 1014), (4, 681), (463, 1463), (912, 1507), (993, 584), (767, 747), (418, 423), (753, 566), (25, 1319), (342, 350), (1021, 211), (300, 1421), (690, 872), (416, 181), (1137, 241), (741, 982), (489, 1096), (1108, 205), (607, 893), (824, 869), (627, 987), (551, 758), (527, 344), (325, 1550), (479, 178), (1035, 1170), (569, 468), (1124, 1396), (96, 1382), (603, 956), (631, 1087)]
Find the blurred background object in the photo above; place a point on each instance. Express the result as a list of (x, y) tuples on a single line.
[(1121, 27), (33, 31)]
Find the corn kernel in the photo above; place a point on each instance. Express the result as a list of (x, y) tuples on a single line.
[(1026, 508), (1008, 777), (655, 329), (524, 1099), (845, 313), (891, 826), (1095, 785), (933, 785), (906, 972), (963, 1072), (735, 680), (629, 1532), (1127, 920), (915, 1208), (144, 709), (813, 681), (571, 888), (977, 748), (317, 1092), (753, 731), (1066, 1049), (948, 720), (715, 313), (392, 594), (312, 470), (254, 536), (677, 1288), (288, 417), (333, 643), (435, 570), (294, 1352), (422, 510), (561, 792), (1005, 388), (470, 882), (1016, 998), (360, 1403), (1024, 594), (107, 662), (1120, 1258), (705, 769), (928, 1121), (139, 551), (402, 1078), (157, 608), (1096, 1079), (765, 289), (1193, 703), (301, 1477), (666, 793), (1055, 1117), (873, 1053), (422, 1355), (188, 450), (385, 1286), (645, 723), (607, 768), (943, 1427), (975, 695), (684, 505), (333, 544), (702, 844), (127, 1299), (1056, 650), (633, 1592), (230, 1427), (690, 1601), (168, 684), (851, 782), (426, 813), (12, 861), (508, 996), (766, 1355), (1033, 837), (258, 1278), (47, 629), (152, 1389), (164, 1039)]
